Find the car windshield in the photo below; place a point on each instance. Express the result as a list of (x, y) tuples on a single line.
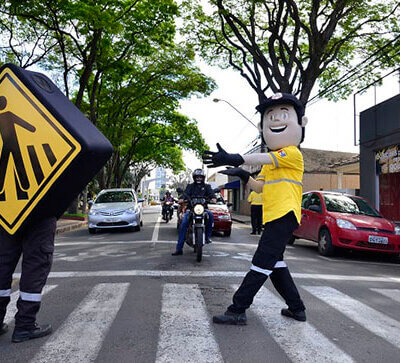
[(115, 197), (348, 204)]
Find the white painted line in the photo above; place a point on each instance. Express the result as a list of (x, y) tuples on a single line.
[(80, 337), (12, 307), (163, 273), (300, 340), (185, 332), (371, 319), (88, 243), (154, 238), (393, 294)]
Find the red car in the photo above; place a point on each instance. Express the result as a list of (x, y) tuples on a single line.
[(336, 220), (222, 216)]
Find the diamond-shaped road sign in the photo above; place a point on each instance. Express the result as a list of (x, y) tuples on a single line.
[(49, 150)]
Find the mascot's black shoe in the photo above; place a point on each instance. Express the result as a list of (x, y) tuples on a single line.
[(253, 232), (3, 328), (230, 318), (208, 240), (177, 253), (39, 331), (298, 315)]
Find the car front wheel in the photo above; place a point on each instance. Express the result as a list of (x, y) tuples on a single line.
[(92, 230), (325, 247)]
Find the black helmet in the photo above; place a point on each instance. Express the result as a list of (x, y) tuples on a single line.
[(197, 174)]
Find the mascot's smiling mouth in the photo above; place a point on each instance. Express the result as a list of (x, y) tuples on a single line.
[(278, 128)]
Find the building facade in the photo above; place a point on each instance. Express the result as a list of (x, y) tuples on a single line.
[(380, 156)]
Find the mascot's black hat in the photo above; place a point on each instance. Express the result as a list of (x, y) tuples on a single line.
[(282, 99)]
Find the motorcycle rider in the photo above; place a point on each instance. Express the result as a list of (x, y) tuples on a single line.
[(167, 198), (199, 189)]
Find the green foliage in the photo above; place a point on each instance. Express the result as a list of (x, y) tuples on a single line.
[(286, 45), (118, 61)]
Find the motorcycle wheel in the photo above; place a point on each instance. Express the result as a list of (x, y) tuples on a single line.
[(199, 244)]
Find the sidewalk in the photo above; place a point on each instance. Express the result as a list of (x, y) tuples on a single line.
[(240, 218), (65, 225)]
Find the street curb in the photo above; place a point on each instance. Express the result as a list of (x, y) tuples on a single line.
[(239, 220), (70, 227)]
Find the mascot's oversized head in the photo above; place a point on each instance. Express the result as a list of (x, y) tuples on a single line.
[(282, 121)]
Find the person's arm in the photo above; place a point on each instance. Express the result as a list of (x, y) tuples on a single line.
[(210, 194), (221, 157), (257, 159), (256, 185)]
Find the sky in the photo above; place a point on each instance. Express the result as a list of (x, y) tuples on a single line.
[(330, 125)]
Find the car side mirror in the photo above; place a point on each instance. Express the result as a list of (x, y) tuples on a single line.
[(90, 203), (315, 208)]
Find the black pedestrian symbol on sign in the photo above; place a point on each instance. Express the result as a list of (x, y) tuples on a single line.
[(8, 123)]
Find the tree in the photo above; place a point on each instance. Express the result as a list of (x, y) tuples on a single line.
[(287, 45), (137, 112)]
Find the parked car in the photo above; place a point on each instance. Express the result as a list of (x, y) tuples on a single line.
[(336, 220), (222, 216), (115, 208)]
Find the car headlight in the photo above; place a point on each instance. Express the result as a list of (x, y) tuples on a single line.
[(93, 213), (198, 209), (341, 223), (397, 230), (227, 217), (131, 211)]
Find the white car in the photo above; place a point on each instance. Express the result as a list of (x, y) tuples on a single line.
[(116, 208)]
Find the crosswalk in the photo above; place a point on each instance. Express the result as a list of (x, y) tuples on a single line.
[(186, 332)]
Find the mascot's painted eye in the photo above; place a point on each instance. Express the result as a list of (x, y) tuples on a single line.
[(285, 116)]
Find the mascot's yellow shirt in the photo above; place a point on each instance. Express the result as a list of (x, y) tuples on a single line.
[(255, 198), (283, 186)]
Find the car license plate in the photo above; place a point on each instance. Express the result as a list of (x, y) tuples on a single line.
[(377, 239)]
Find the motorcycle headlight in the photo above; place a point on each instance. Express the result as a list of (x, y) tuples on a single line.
[(397, 229), (341, 223), (198, 209)]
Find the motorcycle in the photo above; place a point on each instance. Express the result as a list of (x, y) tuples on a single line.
[(167, 211), (198, 219)]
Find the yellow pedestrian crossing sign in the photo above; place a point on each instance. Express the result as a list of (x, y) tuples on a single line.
[(35, 149)]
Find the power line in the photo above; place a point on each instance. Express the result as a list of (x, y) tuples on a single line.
[(351, 73)]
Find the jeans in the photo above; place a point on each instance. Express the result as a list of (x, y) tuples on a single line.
[(184, 226)]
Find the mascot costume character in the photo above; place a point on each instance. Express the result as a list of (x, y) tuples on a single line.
[(280, 180)]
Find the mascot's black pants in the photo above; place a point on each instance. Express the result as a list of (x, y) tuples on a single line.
[(36, 244), (268, 261)]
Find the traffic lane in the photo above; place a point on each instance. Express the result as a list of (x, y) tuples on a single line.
[(219, 256), (150, 216)]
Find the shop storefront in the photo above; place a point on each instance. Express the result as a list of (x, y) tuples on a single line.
[(380, 157)]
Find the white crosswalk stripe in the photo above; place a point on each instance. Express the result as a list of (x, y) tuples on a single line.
[(12, 306), (185, 331), (371, 319), (300, 341), (80, 338), (393, 294)]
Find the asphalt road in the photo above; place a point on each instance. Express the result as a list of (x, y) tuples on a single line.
[(122, 297)]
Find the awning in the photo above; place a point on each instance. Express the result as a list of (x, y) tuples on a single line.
[(232, 185)]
